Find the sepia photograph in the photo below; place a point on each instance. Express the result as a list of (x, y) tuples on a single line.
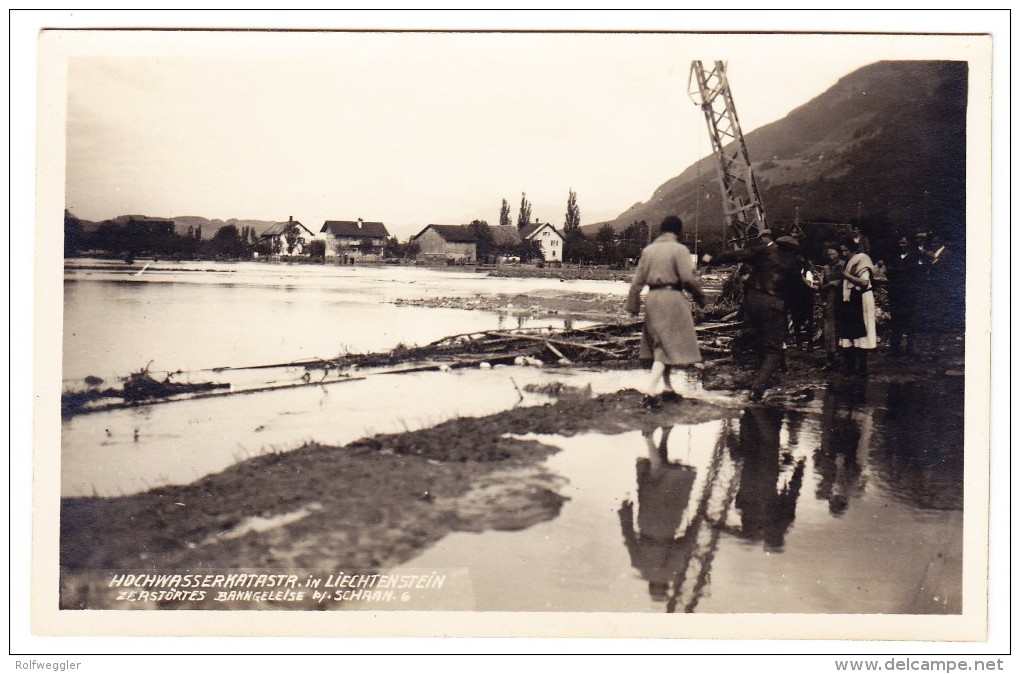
[(493, 333)]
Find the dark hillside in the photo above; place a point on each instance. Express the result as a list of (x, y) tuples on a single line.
[(887, 141)]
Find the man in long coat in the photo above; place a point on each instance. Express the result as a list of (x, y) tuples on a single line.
[(668, 338)]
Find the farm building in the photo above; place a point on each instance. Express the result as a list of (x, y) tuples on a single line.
[(351, 239), (447, 242)]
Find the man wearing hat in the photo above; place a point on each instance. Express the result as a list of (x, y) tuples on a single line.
[(775, 275)]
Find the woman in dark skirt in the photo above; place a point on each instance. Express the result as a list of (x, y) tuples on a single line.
[(830, 290), (856, 311), (668, 338)]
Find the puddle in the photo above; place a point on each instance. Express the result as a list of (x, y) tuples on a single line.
[(852, 507)]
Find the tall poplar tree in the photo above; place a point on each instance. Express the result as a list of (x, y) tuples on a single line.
[(504, 214), (573, 220), (524, 216)]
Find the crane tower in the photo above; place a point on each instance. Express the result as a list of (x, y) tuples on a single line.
[(742, 205)]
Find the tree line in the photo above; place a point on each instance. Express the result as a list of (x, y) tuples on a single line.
[(158, 238)]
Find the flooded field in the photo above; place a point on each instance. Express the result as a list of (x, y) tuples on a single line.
[(848, 500)]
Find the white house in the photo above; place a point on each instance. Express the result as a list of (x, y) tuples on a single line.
[(287, 238), (548, 237)]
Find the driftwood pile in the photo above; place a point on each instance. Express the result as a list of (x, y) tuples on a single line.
[(138, 387), (595, 344)]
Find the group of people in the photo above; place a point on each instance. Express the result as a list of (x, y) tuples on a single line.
[(919, 279), (923, 289)]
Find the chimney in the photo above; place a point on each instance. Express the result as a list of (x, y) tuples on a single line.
[(361, 223), (290, 219)]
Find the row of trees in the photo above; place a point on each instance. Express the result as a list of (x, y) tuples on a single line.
[(158, 238), (523, 213)]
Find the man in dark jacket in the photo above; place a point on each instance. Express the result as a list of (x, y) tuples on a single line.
[(774, 279), (903, 285)]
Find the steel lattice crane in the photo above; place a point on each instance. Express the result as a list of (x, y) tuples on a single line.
[(742, 204)]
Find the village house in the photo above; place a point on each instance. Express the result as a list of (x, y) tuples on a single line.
[(547, 236), (350, 240), (447, 242), (287, 238)]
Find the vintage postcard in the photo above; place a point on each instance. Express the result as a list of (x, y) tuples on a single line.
[(536, 334)]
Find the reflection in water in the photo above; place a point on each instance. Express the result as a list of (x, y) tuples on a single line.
[(664, 489), (767, 509), (921, 460), (713, 504), (757, 470), (665, 557), (846, 435)]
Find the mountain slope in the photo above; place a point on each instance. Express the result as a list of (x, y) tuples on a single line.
[(885, 144)]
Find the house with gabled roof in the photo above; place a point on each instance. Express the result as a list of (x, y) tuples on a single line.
[(447, 242), (350, 239), (548, 237), (287, 238)]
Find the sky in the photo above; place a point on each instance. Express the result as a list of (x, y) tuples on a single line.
[(408, 128)]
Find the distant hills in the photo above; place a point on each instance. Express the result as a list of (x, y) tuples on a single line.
[(183, 222), (885, 144), (209, 227)]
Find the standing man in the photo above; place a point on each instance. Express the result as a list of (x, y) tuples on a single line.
[(902, 285), (942, 312), (774, 278)]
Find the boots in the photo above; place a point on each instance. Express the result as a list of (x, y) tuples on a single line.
[(862, 362)]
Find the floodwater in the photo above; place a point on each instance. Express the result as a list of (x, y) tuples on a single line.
[(202, 315), (852, 504), (125, 451)]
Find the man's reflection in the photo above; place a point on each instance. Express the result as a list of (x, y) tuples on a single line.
[(840, 474), (766, 509), (664, 489)]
